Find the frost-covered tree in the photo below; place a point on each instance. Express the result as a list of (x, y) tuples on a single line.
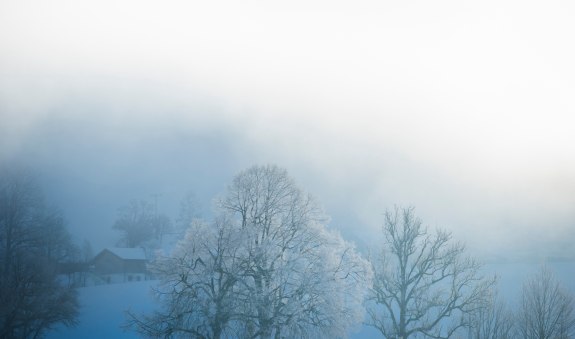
[(198, 285), (423, 283), (546, 310), (33, 242), (268, 268), (298, 279)]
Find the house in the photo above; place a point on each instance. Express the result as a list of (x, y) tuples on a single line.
[(113, 265)]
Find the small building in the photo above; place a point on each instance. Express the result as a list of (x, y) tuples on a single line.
[(113, 265)]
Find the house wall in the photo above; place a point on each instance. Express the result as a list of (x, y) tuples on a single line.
[(109, 268), (134, 266), (108, 263)]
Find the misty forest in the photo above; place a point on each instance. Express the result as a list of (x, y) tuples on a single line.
[(302, 169)]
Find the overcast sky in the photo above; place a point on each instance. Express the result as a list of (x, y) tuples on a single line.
[(465, 110)]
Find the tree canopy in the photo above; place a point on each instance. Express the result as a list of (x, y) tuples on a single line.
[(267, 267), (33, 241)]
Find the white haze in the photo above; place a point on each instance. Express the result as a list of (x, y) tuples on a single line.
[(465, 110)]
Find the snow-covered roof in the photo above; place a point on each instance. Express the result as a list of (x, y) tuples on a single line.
[(129, 253)]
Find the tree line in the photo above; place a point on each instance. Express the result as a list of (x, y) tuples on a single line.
[(269, 266), (34, 243)]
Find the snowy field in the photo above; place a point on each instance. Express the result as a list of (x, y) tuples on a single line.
[(104, 306)]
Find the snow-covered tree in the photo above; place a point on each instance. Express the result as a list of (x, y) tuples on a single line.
[(267, 268), (423, 284), (298, 279), (198, 284)]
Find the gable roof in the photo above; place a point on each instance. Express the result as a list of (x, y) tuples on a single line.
[(127, 253)]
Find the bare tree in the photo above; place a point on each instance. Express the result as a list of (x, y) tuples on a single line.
[(546, 309), (423, 283), (135, 221), (189, 211), (140, 224), (33, 241), (87, 251), (495, 321), (162, 225)]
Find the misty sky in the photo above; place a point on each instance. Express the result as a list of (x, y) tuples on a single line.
[(464, 110)]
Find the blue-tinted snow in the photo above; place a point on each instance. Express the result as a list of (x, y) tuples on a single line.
[(103, 309), (104, 306)]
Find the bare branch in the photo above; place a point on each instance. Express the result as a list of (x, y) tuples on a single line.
[(423, 284)]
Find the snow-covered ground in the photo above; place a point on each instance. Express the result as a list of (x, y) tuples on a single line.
[(103, 307)]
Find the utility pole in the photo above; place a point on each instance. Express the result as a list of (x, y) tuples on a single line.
[(156, 196), (157, 226)]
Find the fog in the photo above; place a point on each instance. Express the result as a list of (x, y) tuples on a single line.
[(462, 110)]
